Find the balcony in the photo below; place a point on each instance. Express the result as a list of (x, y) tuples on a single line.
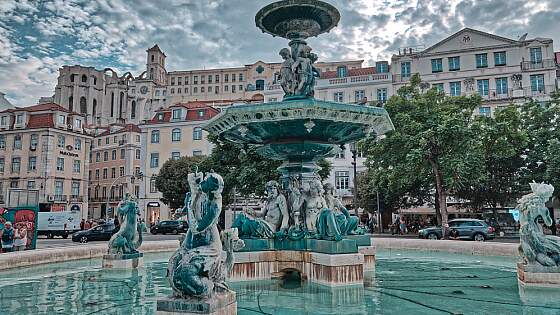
[(544, 64), (400, 78), (355, 80), (76, 198), (538, 91), (58, 198)]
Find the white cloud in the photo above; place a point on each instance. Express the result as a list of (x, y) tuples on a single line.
[(220, 33)]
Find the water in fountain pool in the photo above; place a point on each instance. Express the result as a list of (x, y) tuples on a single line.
[(404, 283)]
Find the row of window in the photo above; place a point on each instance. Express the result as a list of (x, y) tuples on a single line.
[(15, 166), (34, 141), (116, 139), (105, 172), (177, 114), (483, 86), (176, 135), (114, 155), (215, 78), (116, 192), (216, 89), (83, 79), (360, 95), (154, 157), (481, 61)]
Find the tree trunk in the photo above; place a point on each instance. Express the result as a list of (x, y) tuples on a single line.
[(442, 198), (436, 206)]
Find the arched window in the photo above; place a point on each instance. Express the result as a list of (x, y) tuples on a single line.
[(83, 105), (151, 73), (197, 133), (71, 78), (176, 135), (133, 110), (152, 58), (121, 100), (94, 109), (84, 78), (112, 104), (94, 81), (71, 103)]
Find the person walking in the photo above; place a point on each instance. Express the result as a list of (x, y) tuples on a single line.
[(402, 226), (82, 224), (87, 225), (20, 241), (7, 237)]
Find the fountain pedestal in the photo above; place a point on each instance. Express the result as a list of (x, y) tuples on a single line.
[(123, 261), (323, 262), (529, 275), (220, 303)]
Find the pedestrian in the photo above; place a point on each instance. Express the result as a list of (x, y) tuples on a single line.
[(454, 234), (20, 241), (87, 225), (7, 236), (82, 224), (93, 223), (402, 226)]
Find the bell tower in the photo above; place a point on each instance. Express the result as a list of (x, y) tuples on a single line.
[(155, 65)]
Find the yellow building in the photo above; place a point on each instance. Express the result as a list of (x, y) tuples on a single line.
[(115, 162), (45, 147), (172, 133)]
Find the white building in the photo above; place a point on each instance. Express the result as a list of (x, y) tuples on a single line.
[(502, 70)]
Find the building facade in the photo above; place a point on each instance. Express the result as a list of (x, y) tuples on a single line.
[(502, 71), (45, 147), (172, 132), (114, 168)]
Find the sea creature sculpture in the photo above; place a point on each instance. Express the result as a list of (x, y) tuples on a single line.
[(536, 247), (198, 267), (129, 237)]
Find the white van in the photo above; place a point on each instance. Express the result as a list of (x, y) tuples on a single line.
[(62, 224)]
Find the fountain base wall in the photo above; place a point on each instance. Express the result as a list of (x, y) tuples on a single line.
[(123, 261), (221, 303), (538, 275), (328, 263)]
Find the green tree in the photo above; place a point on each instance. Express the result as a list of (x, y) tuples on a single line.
[(433, 138), (503, 142), (171, 180), (540, 121)]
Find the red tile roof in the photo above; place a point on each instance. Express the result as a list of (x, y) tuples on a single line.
[(192, 112), (41, 121), (351, 73), (126, 128), (39, 108)]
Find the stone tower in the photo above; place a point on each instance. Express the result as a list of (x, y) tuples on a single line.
[(155, 65)]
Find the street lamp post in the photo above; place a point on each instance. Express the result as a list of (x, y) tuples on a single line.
[(354, 151)]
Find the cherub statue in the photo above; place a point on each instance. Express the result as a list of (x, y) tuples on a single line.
[(305, 72), (286, 76), (265, 223)]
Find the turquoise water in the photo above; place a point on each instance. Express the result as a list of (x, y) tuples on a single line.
[(404, 283)]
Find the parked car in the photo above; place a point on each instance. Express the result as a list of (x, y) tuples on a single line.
[(171, 226), (101, 232), (469, 229)]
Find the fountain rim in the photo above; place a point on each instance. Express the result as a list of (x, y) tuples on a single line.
[(273, 8)]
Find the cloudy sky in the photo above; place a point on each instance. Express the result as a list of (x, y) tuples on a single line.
[(38, 37)]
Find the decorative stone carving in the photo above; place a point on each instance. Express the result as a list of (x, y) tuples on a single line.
[(517, 80), (198, 267), (335, 221), (469, 84), (129, 237), (266, 223), (537, 249)]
